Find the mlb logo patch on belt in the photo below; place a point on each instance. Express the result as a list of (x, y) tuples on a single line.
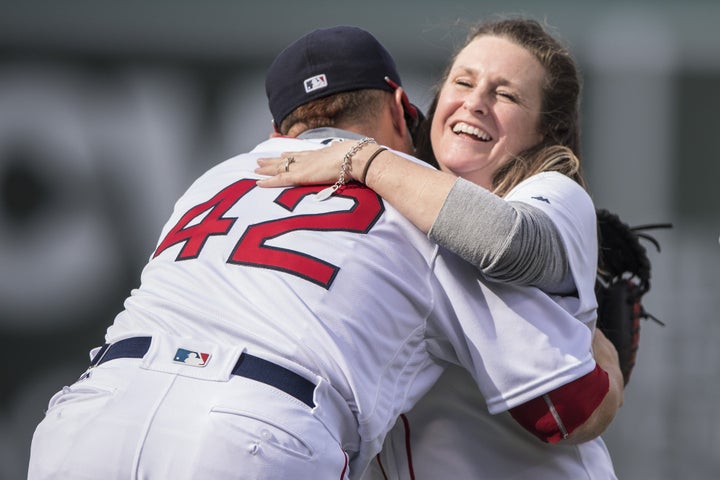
[(190, 357)]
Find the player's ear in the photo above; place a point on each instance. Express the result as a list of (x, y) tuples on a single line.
[(398, 112)]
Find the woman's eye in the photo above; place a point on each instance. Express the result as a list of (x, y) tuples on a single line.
[(463, 82), (507, 95)]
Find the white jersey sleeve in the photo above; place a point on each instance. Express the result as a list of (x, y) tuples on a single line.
[(572, 211)]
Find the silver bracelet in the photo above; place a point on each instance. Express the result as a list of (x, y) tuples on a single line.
[(327, 192)]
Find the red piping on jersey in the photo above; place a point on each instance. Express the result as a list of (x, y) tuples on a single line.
[(345, 467), (382, 469), (408, 450)]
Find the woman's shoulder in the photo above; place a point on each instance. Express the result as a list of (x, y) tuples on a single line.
[(557, 195), (552, 178), (550, 187)]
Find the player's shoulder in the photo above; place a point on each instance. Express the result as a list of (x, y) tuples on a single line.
[(281, 144)]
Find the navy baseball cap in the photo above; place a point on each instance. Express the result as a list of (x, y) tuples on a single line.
[(329, 61)]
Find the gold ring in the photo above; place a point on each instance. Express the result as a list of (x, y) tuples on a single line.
[(288, 161)]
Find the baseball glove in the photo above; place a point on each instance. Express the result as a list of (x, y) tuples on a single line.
[(622, 281)]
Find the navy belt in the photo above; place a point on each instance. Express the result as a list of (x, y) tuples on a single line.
[(248, 366)]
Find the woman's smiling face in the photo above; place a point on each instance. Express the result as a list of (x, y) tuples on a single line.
[(488, 108)]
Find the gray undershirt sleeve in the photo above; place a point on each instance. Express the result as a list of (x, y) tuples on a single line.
[(510, 242)]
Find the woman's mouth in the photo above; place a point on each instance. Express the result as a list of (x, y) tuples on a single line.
[(475, 132)]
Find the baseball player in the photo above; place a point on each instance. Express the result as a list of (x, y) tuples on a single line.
[(278, 333)]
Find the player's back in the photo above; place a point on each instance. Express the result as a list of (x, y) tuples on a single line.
[(341, 287)]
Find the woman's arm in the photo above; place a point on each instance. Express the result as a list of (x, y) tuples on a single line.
[(508, 241), (416, 191)]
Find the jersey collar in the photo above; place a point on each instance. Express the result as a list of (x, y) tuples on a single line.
[(329, 132)]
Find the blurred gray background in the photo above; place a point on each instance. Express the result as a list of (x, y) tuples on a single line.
[(109, 109)]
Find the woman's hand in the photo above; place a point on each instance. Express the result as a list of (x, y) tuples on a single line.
[(607, 357), (311, 167)]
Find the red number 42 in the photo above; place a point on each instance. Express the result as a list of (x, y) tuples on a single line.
[(252, 248)]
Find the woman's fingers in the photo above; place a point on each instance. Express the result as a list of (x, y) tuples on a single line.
[(277, 165), (270, 166), (315, 167), (288, 169), (275, 181)]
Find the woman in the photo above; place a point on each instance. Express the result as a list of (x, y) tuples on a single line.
[(509, 198)]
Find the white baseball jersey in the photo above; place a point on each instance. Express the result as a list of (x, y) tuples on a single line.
[(346, 293), (450, 437)]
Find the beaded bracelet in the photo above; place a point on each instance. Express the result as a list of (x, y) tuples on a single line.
[(344, 168)]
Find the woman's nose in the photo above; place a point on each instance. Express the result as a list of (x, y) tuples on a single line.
[(477, 102)]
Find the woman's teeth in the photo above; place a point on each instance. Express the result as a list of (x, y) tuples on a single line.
[(470, 130)]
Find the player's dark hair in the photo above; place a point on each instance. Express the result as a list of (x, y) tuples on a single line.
[(358, 106), (560, 112)]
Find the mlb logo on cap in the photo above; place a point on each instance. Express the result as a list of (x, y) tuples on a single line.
[(316, 82), (189, 357)]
